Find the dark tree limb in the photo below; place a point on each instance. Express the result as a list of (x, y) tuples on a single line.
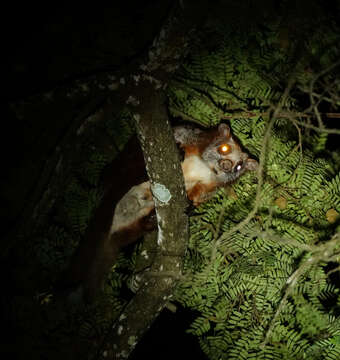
[(144, 92), (164, 169)]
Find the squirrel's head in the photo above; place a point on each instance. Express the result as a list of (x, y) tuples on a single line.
[(225, 157)]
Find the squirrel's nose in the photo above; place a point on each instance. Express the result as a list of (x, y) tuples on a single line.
[(238, 166)]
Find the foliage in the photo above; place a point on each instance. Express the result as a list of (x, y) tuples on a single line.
[(238, 268), (260, 284), (239, 290)]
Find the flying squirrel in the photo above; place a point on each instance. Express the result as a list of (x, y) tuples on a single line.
[(212, 159)]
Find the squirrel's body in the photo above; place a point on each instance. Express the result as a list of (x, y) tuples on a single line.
[(199, 180), (212, 158)]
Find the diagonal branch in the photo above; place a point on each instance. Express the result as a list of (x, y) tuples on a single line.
[(163, 167)]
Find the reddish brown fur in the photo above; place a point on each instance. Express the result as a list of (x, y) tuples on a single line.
[(98, 252), (191, 150), (199, 146), (198, 190)]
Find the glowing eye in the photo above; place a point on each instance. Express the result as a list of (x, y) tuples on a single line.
[(224, 149), (238, 167)]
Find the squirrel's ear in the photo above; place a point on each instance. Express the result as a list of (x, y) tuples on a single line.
[(180, 133), (224, 130), (251, 164)]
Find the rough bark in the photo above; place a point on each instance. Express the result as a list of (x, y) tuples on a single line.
[(163, 167)]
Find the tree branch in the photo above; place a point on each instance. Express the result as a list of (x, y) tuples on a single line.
[(163, 167)]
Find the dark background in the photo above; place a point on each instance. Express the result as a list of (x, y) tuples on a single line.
[(48, 45)]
